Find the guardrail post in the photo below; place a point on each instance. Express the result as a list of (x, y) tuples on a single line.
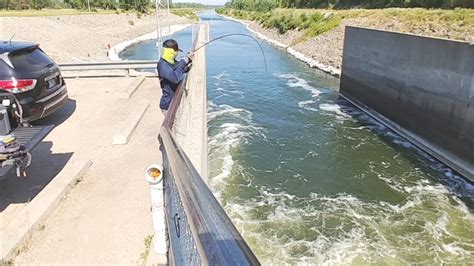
[(154, 177)]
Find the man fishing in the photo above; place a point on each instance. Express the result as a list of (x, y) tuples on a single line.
[(171, 72)]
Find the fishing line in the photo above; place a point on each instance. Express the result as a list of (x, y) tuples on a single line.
[(238, 34)]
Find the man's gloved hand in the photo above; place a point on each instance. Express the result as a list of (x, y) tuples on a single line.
[(189, 57), (188, 67)]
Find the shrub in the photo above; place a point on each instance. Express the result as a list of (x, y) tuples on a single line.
[(316, 17), (322, 26)]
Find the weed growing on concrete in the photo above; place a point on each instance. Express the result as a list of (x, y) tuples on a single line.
[(6, 263), (143, 256), (78, 180)]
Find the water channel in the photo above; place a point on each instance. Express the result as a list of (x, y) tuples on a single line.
[(308, 178)]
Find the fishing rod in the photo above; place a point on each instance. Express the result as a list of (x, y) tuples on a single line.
[(237, 34)]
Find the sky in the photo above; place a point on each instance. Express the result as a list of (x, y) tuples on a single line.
[(206, 2)]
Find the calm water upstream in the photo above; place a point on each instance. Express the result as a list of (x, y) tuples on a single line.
[(307, 178)]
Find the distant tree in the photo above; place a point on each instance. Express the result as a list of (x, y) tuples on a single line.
[(262, 5)]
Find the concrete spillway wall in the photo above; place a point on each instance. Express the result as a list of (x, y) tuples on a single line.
[(421, 87), (191, 117)]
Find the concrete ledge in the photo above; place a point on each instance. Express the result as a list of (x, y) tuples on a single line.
[(191, 119), (132, 87), (130, 123), (41, 207)]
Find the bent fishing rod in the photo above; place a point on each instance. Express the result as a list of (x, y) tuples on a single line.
[(237, 34)]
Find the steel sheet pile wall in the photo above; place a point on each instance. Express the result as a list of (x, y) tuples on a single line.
[(421, 87)]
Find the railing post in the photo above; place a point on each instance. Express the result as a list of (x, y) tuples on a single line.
[(154, 177)]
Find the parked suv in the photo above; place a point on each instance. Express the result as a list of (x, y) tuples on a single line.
[(33, 77)]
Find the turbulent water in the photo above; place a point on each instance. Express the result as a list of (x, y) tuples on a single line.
[(308, 178)]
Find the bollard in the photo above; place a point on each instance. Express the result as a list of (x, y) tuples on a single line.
[(154, 177)]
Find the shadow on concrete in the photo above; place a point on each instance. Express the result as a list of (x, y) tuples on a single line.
[(440, 173), (44, 167), (58, 117)]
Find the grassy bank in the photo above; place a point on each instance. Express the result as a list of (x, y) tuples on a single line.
[(189, 13), (313, 22)]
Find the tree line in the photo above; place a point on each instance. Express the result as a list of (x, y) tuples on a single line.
[(266, 5), (139, 5)]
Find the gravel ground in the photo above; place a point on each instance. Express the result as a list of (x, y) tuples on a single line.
[(327, 48), (80, 37)]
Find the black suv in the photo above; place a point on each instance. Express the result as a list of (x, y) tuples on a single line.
[(33, 77)]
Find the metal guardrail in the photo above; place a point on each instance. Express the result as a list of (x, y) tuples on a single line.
[(112, 65), (199, 230)]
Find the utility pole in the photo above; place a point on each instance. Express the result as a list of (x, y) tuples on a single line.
[(158, 10), (159, 38), (169, 21)]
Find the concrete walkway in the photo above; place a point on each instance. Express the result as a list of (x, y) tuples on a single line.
[(106, 216)]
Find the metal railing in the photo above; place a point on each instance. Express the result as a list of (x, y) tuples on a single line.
[(126, 66), (199, 230)]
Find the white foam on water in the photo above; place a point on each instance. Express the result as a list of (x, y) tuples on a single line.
[(221, 76), (336, 109), (456, 250), (347, 230), (226, 110), (226, 87), (307, 105), (233, 127), (297, 82)]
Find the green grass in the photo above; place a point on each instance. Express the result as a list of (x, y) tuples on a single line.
[(189, 13), (6, 263), (314, 22), (147, 242), (311, 23), (51, 12)]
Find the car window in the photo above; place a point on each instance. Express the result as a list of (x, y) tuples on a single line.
[(30, 60), (5, 70)]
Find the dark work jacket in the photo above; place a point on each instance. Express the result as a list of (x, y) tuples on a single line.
[(170, 76)]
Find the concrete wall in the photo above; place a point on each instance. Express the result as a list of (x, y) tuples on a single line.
[(422, 87), (190, 125)]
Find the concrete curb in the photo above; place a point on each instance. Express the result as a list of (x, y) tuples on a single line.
[(115, 51), (41, 207), (154, 259), (130, 123), (132, 87)]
